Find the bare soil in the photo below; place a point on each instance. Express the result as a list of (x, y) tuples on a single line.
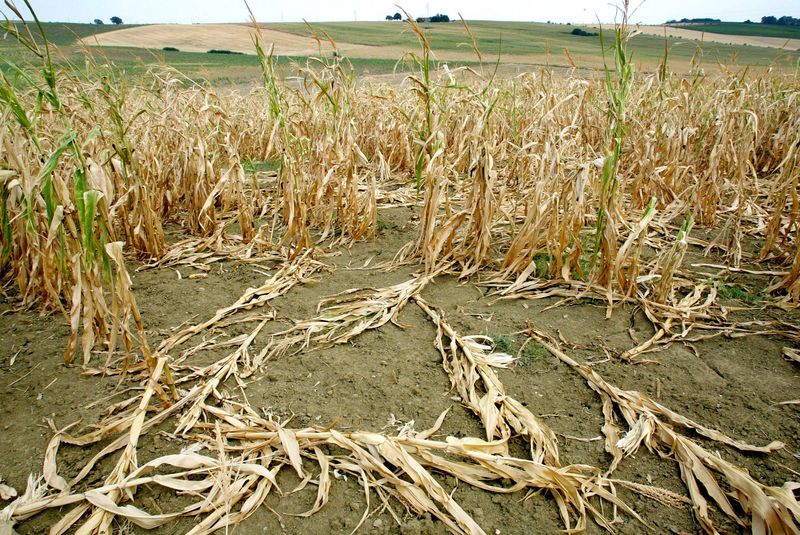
[(392, 375)]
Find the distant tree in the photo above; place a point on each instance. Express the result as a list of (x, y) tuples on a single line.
[(116, 20), (98, 21), (398, 16), (389, 17), (748, 21), (769, 20)]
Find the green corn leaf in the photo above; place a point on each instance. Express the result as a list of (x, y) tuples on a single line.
[(6, 223), (9, 98), (79, 188), (90, 200), (686, 227), (51, 164), (45, 174)]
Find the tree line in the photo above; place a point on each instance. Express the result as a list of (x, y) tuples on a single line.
[(114, 20), (782, 21), (779, 21), (693, 21), (439, 17)]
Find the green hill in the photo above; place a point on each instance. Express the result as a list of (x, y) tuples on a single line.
[(535, 39), (61, 34)]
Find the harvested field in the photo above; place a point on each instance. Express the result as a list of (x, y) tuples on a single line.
[(460, 303), (695, 35), (233, 37)]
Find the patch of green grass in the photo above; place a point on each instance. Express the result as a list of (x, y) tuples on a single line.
[(740, 28), (735, 291), (532, 353), (503, 343), (542, 262), (256, 166)]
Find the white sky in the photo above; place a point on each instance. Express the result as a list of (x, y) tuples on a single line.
[(579, 11)]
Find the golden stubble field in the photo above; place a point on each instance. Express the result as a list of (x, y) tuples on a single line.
[(456, 304), (234, 37)]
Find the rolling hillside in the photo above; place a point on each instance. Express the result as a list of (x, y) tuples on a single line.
[(376, 47)]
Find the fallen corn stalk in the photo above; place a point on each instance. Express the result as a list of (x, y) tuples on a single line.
[(469, 365), (771, 509), (228, 489), (344, 316)]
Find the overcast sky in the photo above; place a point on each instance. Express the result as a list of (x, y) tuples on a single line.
[(581, 11)]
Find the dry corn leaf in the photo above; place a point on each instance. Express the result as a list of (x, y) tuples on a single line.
[(50, 469), (7, 492)]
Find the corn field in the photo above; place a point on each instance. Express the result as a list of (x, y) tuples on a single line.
[(547, 184)]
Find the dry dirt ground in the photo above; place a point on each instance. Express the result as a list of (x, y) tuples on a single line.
[(392, 375)]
